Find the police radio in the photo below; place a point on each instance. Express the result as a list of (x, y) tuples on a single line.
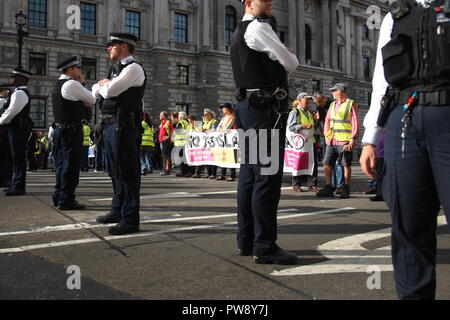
[(399, 9)]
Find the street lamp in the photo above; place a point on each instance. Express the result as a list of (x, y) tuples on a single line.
[(21, 21)]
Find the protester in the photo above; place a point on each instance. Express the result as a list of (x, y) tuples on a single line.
[(228, 122), (147, 146), (165, 132)]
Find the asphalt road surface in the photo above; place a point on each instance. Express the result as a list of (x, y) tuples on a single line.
[(187, 245)]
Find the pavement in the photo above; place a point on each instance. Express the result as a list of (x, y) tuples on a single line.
[(186, 249)]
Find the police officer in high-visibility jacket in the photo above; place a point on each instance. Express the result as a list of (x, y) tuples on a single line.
[(179, 141), (300, 118), (147, 146), (341, 130), (86, 145), (411, 99)]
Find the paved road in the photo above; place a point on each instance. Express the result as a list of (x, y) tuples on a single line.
[(187, 245)]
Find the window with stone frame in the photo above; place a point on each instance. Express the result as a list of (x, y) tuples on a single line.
[(316, 85), (37, 63), (365, 32), (37, 13), (182, 107), (181, 27), (366, 67), (308, 42), (88, 18), (230, 23), (38, 111), (89, 68), (182, 75), (133, 23)]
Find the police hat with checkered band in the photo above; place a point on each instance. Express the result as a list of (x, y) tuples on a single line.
[(69, 62), (122, 38), (21, 72)]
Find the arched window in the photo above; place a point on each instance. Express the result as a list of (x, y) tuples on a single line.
[(308, 43), (230, 23)]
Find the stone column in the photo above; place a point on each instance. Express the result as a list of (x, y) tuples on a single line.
[(358, 47), (348, 41), (301, 31), (292, 26), (333, 42), (220, 25), (206, 40), (325, 33), (63, 32)]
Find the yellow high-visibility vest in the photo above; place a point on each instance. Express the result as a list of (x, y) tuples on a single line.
[(209, 124), (87, 133), (341, 123), (305, 117), (180, 134), (147, 136)]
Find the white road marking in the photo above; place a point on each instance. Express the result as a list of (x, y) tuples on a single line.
[(174, 195), (347, 255), (150, 233)]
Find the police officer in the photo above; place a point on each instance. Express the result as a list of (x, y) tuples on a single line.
[(121, 105), (70, 99), (260, 64), (6, 170), (15, 119), (411, 79)]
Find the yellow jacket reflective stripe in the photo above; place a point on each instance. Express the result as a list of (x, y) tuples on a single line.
[(147, 136), (209, 124), (87, 133), (305, 117), (340, 123), (180, 134)]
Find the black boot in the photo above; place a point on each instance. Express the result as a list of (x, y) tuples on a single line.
[(326, 192)]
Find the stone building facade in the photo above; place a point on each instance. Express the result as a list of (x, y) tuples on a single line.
[(184, 46)]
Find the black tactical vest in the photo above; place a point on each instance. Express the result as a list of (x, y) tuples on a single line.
[(129, 101), (65, 110), (25, 112), (253, 69), (418, 55)]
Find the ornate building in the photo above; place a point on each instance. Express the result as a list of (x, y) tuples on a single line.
[(184, 46)]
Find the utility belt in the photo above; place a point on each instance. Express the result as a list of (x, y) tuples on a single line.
[(128, 119), (265, 98), (393, 97), (68, 124)]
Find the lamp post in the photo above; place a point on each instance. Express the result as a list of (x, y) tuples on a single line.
[(21, 21)]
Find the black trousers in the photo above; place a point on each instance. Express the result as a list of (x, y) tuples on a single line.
[(68, 145), (127, 184), (17, 139), (417, 181), (6, 169), (258, 194)]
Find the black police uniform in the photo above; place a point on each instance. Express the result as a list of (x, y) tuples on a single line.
[(6, 170), (18, 131), (68, 144), (417, 182), (122, 120), (258, 195)]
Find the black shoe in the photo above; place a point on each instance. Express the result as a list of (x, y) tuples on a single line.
[(377, 198), (123, 228), (278, 257), (345, 192), (15, 192), (55, 203), (326, 192), (107, 219), (72, 206), (245, 252), (6, 190)]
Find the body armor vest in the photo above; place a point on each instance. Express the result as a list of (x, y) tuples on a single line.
[(25, 112), (129, 101), (417, 56), (65, 110), (253, 69)]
